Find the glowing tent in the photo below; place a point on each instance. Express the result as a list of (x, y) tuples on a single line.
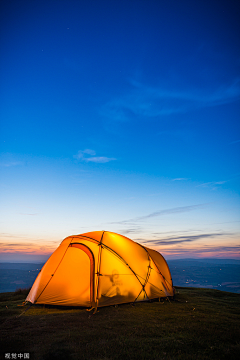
[(101, 268)]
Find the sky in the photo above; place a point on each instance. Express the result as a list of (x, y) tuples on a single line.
[(120, 116)]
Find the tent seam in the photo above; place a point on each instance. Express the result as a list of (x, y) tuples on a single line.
[(52, 274), (148, 275), (119, 256), (98, 269), (158, 268)]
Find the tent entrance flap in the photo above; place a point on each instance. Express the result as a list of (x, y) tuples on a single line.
[(92, 266)]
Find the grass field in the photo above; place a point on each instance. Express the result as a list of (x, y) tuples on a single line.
[(199, 324)]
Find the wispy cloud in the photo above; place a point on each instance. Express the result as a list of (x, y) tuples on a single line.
[(132, 230), (88, 155), (180, 179), (17, 244), (223, 249), (8, 235), (11, 163), (235, 142), (212, 184), (183, 239), (100, 159), (175, 210), (28, 214), (216, 251), (10, 160), (146, 101)]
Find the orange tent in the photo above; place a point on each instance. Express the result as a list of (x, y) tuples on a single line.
[(101, 268)]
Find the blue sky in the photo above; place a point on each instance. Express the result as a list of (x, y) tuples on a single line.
[(120, 116)]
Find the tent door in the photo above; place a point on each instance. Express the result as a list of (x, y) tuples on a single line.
[(92, 267)]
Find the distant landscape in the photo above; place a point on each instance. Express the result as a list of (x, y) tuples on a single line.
[(220, 274)]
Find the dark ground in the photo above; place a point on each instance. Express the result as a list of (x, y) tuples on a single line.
[(199, 324)]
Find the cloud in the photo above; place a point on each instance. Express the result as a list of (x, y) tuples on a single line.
[(235, 142), (180, 179), (212, 184), (81, 155), (146, 101), (16, 244), (11, 163), (27, 246), (11, 235), (202, 252), (100, 159), (132, 230), (89, 152), (175, 210), (222, 248), (28, 214), (87, 155), (182, 239), (9, 160)]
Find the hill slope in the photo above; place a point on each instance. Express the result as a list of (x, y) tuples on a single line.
[(199, 324)]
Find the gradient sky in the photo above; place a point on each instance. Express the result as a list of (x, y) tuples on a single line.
[(120, 116)]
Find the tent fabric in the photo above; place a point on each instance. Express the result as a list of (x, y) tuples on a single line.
[(101, 268)]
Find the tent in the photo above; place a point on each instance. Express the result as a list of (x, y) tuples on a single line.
[(101, 268)]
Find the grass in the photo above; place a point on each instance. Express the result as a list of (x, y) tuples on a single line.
[(199, 324)]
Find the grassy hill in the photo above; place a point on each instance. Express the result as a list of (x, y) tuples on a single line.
[(199, 324)]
